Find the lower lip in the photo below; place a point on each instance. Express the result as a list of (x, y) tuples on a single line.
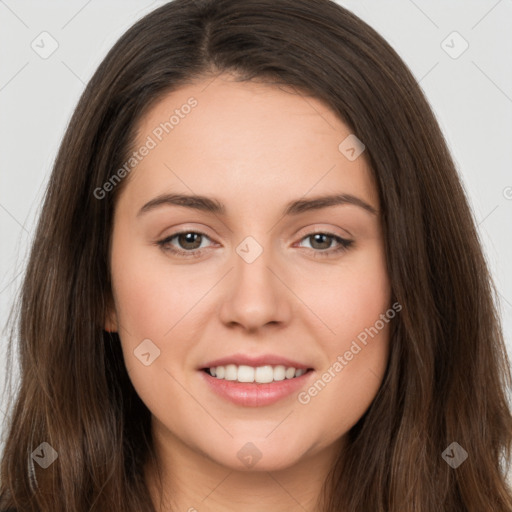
[(252, 394)]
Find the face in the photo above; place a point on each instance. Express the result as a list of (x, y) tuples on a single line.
[(254, 282)]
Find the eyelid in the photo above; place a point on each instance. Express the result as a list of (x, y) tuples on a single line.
[(311, 229)]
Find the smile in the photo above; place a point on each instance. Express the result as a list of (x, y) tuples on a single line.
[(259, 374), (263, 385)]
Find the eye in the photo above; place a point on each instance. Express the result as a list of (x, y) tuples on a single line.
[(186, 239), (323, 242), (190, 243)]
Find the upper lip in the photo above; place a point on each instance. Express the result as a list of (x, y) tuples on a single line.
[(261, 360)]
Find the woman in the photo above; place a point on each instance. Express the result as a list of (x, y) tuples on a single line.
[(363, 371)]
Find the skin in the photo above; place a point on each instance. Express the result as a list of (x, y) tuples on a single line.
[(254, 147)]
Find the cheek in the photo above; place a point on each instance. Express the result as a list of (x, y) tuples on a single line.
[(350, 296), (355, 304), (150, 296), (155, 301), (350, 379), (141, 304), (149, 305)]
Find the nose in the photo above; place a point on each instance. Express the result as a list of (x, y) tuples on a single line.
[(256, 294)]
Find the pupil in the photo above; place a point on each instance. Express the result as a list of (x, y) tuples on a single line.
[(189, 239), (318, 238)]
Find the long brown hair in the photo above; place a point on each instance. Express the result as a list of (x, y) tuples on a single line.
[(447, 376)]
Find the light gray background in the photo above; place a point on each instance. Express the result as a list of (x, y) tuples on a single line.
[(471, 96)]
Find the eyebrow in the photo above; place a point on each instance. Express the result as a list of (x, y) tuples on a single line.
[(212, 205)]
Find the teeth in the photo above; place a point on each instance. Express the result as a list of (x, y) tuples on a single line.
[(231, 373), (260, 374), (290, 373), (245, 373)]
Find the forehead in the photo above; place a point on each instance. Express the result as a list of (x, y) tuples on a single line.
[(246, 140)]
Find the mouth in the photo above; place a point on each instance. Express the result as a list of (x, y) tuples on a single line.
[(247, 374), (256, 386)]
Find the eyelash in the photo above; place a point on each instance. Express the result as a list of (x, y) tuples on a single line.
[(196, 253)]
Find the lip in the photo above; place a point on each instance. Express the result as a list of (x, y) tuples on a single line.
[(261, 360), (252, 394)]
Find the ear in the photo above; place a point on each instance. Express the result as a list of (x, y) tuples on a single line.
[(110, 322)]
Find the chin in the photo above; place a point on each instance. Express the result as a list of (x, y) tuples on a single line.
[(258, 455)]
